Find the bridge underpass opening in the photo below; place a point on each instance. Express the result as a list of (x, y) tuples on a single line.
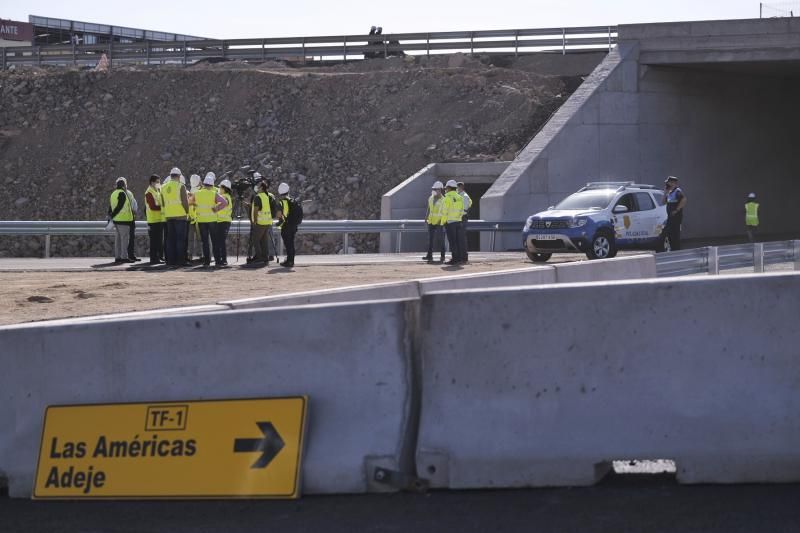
[(725, 129)]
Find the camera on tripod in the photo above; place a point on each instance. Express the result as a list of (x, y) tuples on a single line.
[(245, 183)]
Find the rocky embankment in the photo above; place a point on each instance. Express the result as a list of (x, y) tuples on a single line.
[(339, 136)]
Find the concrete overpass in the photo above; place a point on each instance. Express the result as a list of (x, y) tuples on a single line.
[(714, 103)]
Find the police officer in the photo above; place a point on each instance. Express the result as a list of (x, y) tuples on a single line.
[(751, 216), (435, 222), (288, 227), (176, 211), (155, 219), (676, 200), (452, 213)]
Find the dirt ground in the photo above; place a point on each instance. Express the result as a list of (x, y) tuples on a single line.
[(32, 296)]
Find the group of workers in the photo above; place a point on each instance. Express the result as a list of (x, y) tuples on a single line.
[(206, 210), (447, 215)]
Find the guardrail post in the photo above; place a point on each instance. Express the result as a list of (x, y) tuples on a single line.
[(758, 257), (400, 238), (385, 49), (563, 41), (304, 50), (713, 260), (609, 38), (345, 243), (428, 44), (223, 49), (494, 237), (472, 43), (796, 254), (516, 43), (344, 58), (184, 52), (263, 50), (47, 246)]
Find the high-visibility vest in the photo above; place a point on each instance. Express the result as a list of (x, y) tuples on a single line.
[(435, 210), (205, 200), (264, 215), (171, 194), (125, 214), (154, 217), (453, 208), (226, 213), (285, 208), (751, 214)]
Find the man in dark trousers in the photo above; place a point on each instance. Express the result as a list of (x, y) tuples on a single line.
[(288, 224), (676, 201), (155, 219)]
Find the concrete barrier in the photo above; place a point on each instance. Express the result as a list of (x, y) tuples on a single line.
[(358, 381), (560, 380), (631, 267), (536, 275)]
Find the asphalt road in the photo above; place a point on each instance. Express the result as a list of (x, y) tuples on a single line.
[(642, 505)]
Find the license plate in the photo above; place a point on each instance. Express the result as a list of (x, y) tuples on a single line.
[(545, 237)]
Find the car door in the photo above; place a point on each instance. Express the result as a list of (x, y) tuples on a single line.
[(628, 225), (648, 215)]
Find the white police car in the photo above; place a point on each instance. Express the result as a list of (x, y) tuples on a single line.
[(598, 220)]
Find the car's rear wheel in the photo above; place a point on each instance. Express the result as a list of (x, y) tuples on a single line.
[(602, 246), (537, 257)]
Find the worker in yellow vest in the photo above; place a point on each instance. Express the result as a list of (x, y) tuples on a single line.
[(176, 211), (261, 221), (155, 219), (207, 204), (751, 216), (224, 219), (452, 213), (435, 222), (120, 213), (193, 232)]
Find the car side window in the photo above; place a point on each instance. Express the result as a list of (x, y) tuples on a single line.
[(628, 201), (644, 201), (660, 198)]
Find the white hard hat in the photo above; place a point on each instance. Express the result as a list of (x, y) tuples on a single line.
[(123, 180), (183, 179), (175, 171), (213, 176), (437, 185), (209, 179), (256, 176), (751, 195), (283, 188), (194, 180), (225, 183), (452, 183)]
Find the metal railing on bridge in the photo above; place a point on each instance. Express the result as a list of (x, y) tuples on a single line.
[(713, 259), (49, 228), (303, 49)]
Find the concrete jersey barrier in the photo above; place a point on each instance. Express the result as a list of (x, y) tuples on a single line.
[(358, 382), (563, 379)]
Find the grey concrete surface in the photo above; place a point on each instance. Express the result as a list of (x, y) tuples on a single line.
[(631, 506), (358, 384), (547, 392), (710, 102)]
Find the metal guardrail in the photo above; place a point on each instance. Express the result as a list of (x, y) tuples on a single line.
[(712, 259), (49, 228), (340, 47)]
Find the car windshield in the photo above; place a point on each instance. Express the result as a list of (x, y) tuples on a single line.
[(588, 200)]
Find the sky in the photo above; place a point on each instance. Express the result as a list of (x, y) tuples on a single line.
[(243, 19)]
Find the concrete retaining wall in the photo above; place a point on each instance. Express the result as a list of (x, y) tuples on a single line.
[(358, 382), (560, 380)]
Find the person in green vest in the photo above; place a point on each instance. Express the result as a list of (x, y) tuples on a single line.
[(224, 219), (208, 202), (121, 214), (435, 222), (176, 212), (260, 222), (155, 219), (751, 216)]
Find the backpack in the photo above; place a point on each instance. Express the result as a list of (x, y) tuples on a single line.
[(295, 217)]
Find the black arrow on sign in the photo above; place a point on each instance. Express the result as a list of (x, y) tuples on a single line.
[(269, 446)]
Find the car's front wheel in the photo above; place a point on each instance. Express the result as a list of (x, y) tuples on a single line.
[(537, 257), (602, 246)]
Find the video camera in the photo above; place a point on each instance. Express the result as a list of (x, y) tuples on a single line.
[(245, 182)]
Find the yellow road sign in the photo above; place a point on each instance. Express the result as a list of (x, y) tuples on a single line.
[(194, 449)]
